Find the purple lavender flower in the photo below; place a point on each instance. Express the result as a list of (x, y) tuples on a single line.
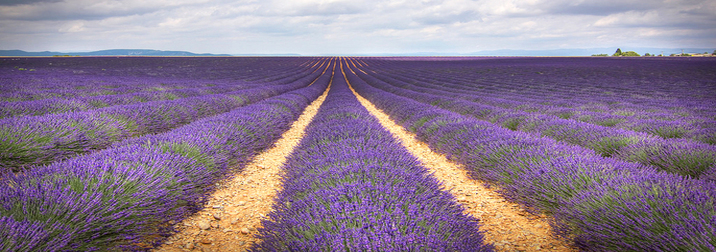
[(606, 204), (122, 197), (351, 186)]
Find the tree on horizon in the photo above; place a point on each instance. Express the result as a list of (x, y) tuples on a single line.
[(618, 52)]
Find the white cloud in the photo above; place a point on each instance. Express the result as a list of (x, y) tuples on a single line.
[(343, 26), (75, 26)]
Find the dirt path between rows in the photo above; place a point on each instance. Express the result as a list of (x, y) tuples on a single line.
[(234, 212), (230, 218), (505, 224)]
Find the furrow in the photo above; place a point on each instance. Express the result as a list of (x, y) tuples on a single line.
[(506, 225), (234, 212)]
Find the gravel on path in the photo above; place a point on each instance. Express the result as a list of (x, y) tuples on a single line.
[(505, 224), (233, 214)]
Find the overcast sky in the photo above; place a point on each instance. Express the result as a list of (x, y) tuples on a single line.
[(353, 27)]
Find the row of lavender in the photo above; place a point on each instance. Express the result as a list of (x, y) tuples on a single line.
[(351, 186), (568, 90), (679, 119), (666, 123), (603, 204), (679, 156), (81, 101), (35, 140), (651, 83), (124, 196), (93, 76)]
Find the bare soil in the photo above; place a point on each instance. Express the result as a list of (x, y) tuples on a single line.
[(233, 214), (505, 224)]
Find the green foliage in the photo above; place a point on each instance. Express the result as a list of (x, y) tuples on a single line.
[(615, 201), (512, 123), (565, 115), (689, 164), (709, 139), (171, 96), (450, 137), (97, 103), (627, 53), (187, 150), (668, 131), (678, 161), (609, 146), (618, 52), (238, 98), (611, 122), (600, 55), (624, 113), (420, 122)]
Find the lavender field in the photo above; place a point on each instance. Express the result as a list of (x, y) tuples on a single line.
[(109, 153)]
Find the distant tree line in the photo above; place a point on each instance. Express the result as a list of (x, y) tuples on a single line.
[(619, 53), (627, 53)]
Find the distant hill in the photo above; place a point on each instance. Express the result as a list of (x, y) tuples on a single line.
[(112, 52), (268, 54)]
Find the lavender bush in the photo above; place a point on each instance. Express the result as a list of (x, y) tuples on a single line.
[(646, 212), (584, 84), (58, 105), (569, 97), (673, 155), (351, 186), (551, 177), (44, 139), (606, 146), (124, 196), (98, 76)]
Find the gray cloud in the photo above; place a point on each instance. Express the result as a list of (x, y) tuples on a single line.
[(25, 2), (598, 8), (299, 8), (343, 26), (439, 17), (86, 9)]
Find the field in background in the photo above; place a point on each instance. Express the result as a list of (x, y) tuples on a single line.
[(107, 152)]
